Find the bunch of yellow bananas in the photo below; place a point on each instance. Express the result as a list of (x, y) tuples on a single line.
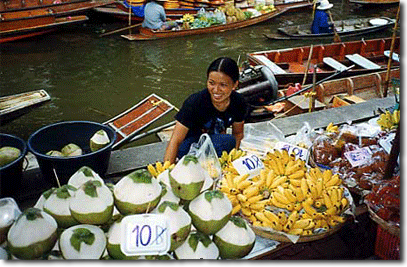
[(159, 167), (331, 128), (389, 121), (188, 18), (227, 158)]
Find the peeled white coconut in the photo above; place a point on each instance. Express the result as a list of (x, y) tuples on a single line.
[(9, 212), (168, 195), (71, 150), (54, 153), (82, 242), (8, 154), (179, 223), (187, 178), (197, 246), (137, 192), (114, 242), (32, 235), (99, 140), (57, 205), (208, 182), (235, 240), (92, 203), (83, 175), (116, 213), (210, 211), (44, 196)]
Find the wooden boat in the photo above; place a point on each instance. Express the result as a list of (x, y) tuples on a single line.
[(26, 18), (290, 65), (119, 11), (13, 106), (133, 120), (329, 94), (345, 28), (375, 2), (147, 34)]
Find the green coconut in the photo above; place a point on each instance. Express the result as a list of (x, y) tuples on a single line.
[(82, 242), (99, 140), (235, 240), (197, 246), (44, 196), (210, 211), (92, 203), (114, 242), (83, 175), (179, 223), (9, 212), (57, 205), (8, 154), (32, 235), (54, 153), (187, 178), (137, 192), (71, 150)]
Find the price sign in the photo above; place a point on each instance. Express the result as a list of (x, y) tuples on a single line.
[(359, 156), (145, 234), (299, 152), (249, 164)]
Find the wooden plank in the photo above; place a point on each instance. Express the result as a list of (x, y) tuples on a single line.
[(273, 66), (333, 63), (363, 62)]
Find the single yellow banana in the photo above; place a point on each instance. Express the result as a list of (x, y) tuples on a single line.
[(244, 184), (251, 191), (281, 198), (277, 204), (290, 195), (255, 199), (152, 170), (302, 223), (236, 209), (167, 164), (159, 167), (277, 181), (297, 175), (271, 216), (260, 216)]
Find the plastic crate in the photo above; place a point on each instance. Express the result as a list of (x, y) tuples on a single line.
[(387, 246)]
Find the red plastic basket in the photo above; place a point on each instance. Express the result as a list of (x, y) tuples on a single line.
[(387, 246)]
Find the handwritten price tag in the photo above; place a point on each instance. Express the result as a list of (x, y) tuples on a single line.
[(359, 156), (145, 234), (249, 164), (299, 152)]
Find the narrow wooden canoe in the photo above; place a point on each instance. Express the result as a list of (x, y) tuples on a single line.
[(13, 106), (345, 28), (329, 94), (22, 19), (375, 2), (147, 34), (289, 65)]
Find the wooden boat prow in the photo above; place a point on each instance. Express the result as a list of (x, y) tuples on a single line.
[(345, 28), (13, 106), (148, 34)]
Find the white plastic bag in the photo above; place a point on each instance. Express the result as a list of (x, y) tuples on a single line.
[(206, 154)]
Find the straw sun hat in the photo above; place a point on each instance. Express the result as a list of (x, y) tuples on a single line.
[(324, 5)]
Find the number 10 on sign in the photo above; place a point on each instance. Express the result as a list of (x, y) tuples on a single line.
[(145, 234)]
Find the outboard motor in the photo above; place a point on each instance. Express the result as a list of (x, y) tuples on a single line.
[(257, 85)]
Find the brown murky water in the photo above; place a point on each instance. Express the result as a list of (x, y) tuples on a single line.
[(94, 78)]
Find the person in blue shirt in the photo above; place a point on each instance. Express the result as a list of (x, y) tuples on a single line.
[(154, 16), (321, 23)]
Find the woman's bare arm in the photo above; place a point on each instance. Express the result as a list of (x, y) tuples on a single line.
[(177, 137)]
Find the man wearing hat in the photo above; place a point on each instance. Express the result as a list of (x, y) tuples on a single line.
[(154, 16), (321, 19)]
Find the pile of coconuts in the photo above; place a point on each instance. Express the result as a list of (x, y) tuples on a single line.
[(98, 140), (82, 219)]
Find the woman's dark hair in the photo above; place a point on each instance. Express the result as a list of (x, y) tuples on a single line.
[(226, 65)]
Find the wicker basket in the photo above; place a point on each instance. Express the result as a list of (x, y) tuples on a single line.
[(387, 244)]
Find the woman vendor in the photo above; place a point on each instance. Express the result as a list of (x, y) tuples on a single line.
[(211, 111)]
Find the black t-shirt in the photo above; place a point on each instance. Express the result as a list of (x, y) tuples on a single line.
[(200, 116)]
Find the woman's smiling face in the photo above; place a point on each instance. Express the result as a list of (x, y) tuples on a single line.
[(220, 87)]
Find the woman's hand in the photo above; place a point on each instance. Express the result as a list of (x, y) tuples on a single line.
[(238, 132)]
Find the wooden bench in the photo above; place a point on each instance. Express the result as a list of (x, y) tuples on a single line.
[(273, 66), (333, 63), (363, 62)]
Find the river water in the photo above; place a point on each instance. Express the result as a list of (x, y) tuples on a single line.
[(94, 78)]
